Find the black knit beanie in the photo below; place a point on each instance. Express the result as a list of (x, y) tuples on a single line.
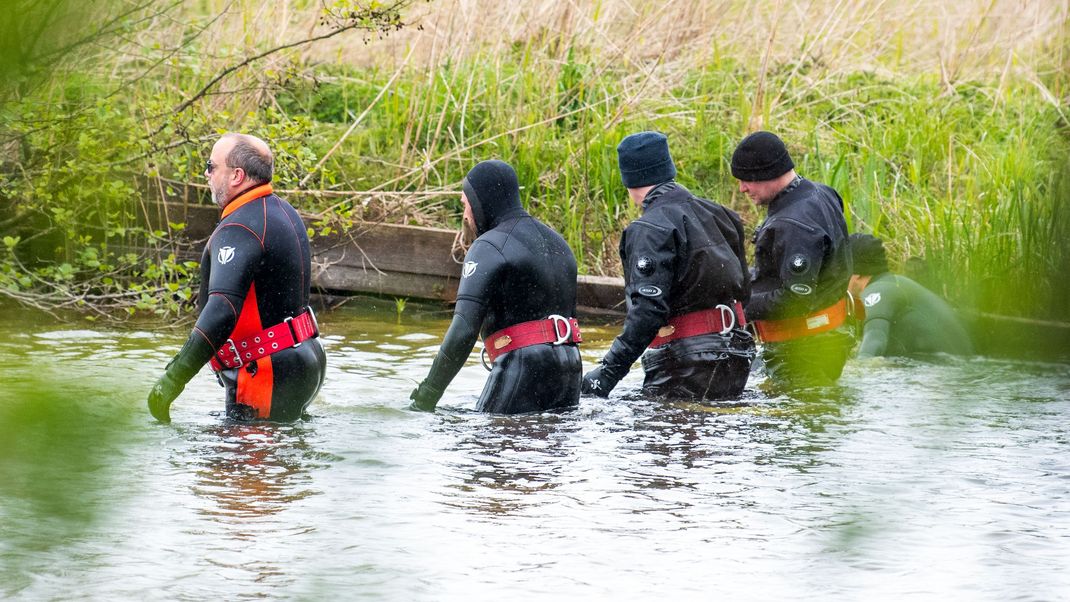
[(867, 254), (644, 160), (761, 156)]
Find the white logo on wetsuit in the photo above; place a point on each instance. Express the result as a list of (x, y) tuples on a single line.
[(801, 289), (872, 299), (469, 269), (799, 263), (225, 255), (649, 291)]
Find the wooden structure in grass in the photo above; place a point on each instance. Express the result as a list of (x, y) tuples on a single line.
[(385, 259)]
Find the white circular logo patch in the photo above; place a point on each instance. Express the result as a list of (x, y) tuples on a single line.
[(649, 291), (225, 255), (799, 264), (801, 289), (871, 299), (468, 269)]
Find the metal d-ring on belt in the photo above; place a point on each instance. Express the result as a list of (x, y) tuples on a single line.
[(720, 319), (291, 332), (555, 330)]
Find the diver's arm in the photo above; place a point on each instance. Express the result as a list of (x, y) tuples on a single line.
[(648, 253), (228, 283), (741, 254), (882, 305), (481, 276), (452, 354), (874, 338), (798, 262)]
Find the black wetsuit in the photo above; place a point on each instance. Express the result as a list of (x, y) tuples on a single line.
[(518, 270), (802, 265), (255, 273), (683, 255)]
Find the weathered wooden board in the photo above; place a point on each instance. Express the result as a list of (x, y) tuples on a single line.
[(385, 259)]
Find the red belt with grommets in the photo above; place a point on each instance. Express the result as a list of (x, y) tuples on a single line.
[(291, 332), (556, 330), (720, 319), (776, 331)]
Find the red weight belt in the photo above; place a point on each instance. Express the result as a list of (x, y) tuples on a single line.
[(555, 329), (721, 319), (291, 332), (776, 331)]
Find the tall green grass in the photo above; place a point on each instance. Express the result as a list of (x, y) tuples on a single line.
[(966, 179), (943, 127)]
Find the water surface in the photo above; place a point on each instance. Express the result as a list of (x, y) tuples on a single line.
[(909, 480)]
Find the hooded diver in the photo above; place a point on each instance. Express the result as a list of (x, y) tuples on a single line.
[(518, 288)]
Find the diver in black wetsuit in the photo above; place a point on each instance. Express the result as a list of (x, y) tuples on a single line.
[(518, 287), (685, 276), (255, 325)]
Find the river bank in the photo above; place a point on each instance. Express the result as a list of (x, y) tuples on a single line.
[(945, 131)]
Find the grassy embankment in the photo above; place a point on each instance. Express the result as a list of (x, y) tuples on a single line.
[(955, 160), (944, 130)]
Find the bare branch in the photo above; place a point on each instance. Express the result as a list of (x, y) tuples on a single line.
[(349, 26)]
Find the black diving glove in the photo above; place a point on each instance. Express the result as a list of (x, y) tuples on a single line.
[(424, 398), (597, 382)]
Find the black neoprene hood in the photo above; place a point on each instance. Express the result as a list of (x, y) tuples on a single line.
[(493, 191)]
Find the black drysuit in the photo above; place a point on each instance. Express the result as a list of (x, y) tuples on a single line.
[(802, 265), (683, 255), (255, 273), (518, 270)]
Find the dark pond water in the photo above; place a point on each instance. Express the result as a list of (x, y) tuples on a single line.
[(911, 480)]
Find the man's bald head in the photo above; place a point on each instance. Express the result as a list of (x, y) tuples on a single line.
[(250, 154)]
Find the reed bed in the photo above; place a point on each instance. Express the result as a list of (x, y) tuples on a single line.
[(943, 124)]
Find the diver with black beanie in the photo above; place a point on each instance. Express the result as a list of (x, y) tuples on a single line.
[(518, 288), (685, 275), (802, 263)]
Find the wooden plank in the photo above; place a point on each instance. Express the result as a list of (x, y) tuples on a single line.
[(397, 284), (391, 248), (601, 292), (387, 259)]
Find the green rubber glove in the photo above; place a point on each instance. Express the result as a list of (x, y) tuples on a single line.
[(162, 394), (424, 398)]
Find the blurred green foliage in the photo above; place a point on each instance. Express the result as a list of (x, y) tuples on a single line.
[(60, 458)]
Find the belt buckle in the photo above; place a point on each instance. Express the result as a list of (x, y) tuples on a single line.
[(237, 354), (561, 338), (730, 323)]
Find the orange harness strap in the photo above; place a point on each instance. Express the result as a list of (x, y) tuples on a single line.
[(776, 331)]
